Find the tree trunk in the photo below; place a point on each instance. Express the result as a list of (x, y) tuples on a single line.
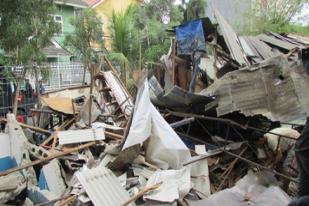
[(84, 75), (140, 57), (15, 105), (37, 86), (90, 97), (18, 83)]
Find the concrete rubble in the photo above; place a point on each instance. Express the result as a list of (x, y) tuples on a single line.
[(187, 138)]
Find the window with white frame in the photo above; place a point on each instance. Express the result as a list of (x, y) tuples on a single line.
[(77, 12), (58, 19)]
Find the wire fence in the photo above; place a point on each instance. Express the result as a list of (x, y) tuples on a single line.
[(53, 76), (65, 75)]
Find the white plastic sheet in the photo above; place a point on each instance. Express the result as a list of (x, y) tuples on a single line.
[(200, 177), (248, 188), (164, 148), (175, 185)]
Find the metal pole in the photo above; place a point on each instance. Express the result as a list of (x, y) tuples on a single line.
[(58, 69)]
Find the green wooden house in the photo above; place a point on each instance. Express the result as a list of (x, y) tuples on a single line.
[(66, 10)]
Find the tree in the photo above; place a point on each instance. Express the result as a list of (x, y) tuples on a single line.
[(25, 28), (141, 29), (121, 29), (87, 34), (195, 9), (139, 33), (272, 15)]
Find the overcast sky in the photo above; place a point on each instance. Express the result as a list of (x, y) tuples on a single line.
[(301, 18)]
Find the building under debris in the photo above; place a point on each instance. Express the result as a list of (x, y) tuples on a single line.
[(204, 128)]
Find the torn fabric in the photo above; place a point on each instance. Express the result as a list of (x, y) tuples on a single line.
[(176, 184), (164, 148)]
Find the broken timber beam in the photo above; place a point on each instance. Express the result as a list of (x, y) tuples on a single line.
[(34, 128), (228, 171), (260, 166), (141, 193), (46, 159), (62, 126), (113, 135), (227, 121)]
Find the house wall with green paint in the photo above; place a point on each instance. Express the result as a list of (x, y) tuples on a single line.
[(67, 13), (64, 15)]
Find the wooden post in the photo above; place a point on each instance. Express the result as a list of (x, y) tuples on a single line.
[(18, 82), (46, 159), (140, 57), (16, 97), (90, 97), (125, 74), (37, 87), (37, 129), (173, 61), (215, 52), (141, 193)]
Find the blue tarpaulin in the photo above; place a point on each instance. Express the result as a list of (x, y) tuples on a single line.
[(190, 38)]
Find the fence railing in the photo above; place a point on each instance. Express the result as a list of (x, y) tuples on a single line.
[(55, 76), (65, 75)]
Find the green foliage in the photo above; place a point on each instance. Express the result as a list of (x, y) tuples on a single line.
[(8, 75), (25, 28), (298, 29), (273, 16), (88, 31), (118, 57), (143, 26), (195, 9), (3, 59), (121, 30), (154, 52)]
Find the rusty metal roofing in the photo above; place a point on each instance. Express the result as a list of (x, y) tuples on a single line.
[(273, 40), (231, 40), (74, 3), (273, 88), (102, 186), (93, 3), (83, 135)]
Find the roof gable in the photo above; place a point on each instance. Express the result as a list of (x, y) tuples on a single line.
[(93, 3), (73, 3)]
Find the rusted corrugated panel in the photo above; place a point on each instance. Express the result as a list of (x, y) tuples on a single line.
[(231, 40), (261, 47), (276, 42), (271, 88), (299, 38), (119, 92), (102, 186)]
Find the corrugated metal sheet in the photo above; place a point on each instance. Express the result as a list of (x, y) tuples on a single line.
[(176, 97), (231, 40), (102, 186), (77, 136), (119, 92), (260, 47), (272, 88), (277, 42)]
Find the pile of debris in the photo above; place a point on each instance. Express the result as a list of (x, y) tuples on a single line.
[(91, 145)]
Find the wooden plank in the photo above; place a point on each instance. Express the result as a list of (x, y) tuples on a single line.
[(62, 126), (55, 139), (141, 193), (46, 159), (173, 62), (37, 129)]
